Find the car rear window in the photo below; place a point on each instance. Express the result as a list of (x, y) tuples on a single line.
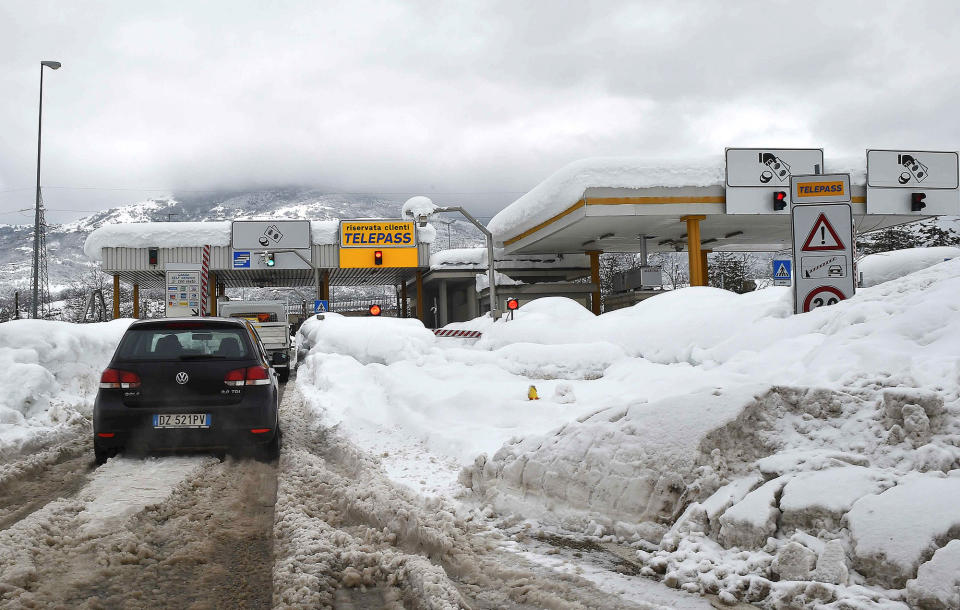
[(184, 344), (255, 316)]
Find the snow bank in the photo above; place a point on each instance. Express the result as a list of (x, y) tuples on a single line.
[(750, 445), (367, 339), (732, 426), (886, 266), (52, 372), (894, 532), (938, 583)]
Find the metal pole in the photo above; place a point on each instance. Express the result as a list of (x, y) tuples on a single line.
[(491, 272), (36, 218), (643, 250)]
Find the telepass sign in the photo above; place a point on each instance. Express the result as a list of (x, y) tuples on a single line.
[(823, 241), (377, 234), (369, 244)]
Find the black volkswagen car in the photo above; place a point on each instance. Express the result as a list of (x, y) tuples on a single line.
[(188, 384)]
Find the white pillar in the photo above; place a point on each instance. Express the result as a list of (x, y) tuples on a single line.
[(443, 303), (473, 305)]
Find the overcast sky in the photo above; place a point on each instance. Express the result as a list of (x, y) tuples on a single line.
[(449, 97)]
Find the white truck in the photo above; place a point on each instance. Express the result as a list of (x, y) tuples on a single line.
[(269, 318)]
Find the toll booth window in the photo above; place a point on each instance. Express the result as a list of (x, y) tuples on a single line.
[(256, 316)]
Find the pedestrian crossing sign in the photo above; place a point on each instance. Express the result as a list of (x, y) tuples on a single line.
[(782, 272)]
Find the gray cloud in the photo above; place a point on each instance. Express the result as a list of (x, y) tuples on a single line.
[(454, 97)]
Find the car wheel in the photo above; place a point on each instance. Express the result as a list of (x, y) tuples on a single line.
[(283, 375), (271, 450), (102, 454)]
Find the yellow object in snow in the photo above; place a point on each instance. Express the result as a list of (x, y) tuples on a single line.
[(532, 393)]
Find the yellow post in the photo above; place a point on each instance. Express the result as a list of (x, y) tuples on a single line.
[(595, 278), (693, 249), (212, 289), (704, 267), (136, 301), (116, 297)]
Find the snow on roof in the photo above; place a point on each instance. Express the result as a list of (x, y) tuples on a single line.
[(567, 185), (474, 258), (193, 234), (156, 234)]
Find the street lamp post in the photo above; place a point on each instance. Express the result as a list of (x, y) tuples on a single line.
[(53, 65)]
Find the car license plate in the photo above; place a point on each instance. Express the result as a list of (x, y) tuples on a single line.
[(181, 420)]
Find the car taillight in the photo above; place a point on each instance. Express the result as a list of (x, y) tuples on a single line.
[(113, 378), (258, 375), (235, 377), (254, 375)]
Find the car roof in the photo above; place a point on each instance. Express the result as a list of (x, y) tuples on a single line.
[(209, 320)]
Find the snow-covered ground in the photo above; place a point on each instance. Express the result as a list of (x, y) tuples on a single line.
[(698, 443), (742, 451)]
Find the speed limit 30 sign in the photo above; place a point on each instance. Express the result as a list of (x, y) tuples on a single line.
[(823, 243)]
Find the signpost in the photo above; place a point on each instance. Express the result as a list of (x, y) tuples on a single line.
[(823, 240), (321, 306), (782, 272), (183, 290), (924, 183), (755, 175)]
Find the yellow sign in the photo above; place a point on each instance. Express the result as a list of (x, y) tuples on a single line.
[(819, 189), (366, 258), (378, 234)]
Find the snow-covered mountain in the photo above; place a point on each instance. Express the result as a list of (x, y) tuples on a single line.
[(65, 241)]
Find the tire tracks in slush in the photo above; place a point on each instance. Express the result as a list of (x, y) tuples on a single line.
[(348, 537), (32, 482), (167, 532)]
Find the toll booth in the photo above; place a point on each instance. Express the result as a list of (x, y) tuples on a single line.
[(315, 254)]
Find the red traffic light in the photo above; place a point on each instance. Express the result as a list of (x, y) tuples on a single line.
[(374, 310), (513, 304), (917, 202), (378, 257), (779, 200)]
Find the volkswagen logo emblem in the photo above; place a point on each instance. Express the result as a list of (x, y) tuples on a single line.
[(182, 378)]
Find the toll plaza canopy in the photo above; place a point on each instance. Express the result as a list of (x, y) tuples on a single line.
[(259, 253), (138, 253), (608, 204)]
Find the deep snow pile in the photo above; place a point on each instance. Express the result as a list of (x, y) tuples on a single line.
[(886, 266), (751, 446), (51, 371), (742, 450), (393, 376)]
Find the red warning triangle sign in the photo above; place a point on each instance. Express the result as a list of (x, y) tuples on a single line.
[(822, 237)]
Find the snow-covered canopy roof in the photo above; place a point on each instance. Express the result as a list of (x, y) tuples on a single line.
[(569, 183), (193, 234)]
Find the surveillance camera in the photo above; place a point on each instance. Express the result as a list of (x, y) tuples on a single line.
[(421, 221)]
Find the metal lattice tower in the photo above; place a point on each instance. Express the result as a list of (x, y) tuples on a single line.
[(44, 283)]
